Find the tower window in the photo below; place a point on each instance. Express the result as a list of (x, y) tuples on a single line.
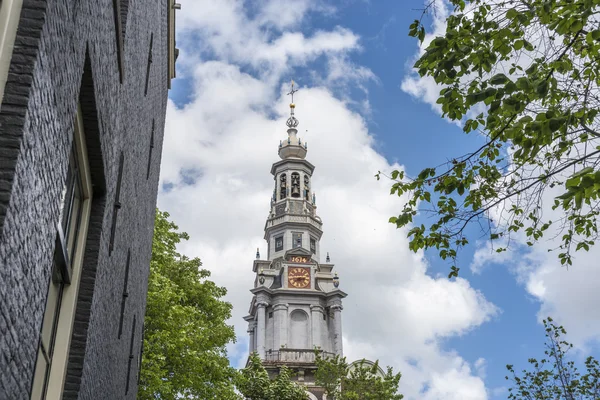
[(279, 243), (313, 245), (306, 188), (295, 184), (297, 240), (282, 186)]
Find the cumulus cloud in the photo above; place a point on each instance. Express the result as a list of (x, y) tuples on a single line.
[(215, 173)]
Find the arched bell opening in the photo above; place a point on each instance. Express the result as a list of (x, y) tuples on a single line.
[(282, 186), (295, 184)]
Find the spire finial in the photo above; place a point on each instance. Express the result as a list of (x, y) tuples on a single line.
[(257, 254), (292, 93), (292, 122), (327, 259)]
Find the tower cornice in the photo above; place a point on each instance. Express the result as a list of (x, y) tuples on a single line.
[(306, 163), (331, 296)]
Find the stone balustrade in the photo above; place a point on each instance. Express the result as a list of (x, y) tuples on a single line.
[(294, 356), (293, 218)]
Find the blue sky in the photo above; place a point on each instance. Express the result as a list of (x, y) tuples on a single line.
[(364, 111)]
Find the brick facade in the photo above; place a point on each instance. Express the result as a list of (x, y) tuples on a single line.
[(67, 51)]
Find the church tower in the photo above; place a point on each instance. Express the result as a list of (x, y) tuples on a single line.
[(297, 305)]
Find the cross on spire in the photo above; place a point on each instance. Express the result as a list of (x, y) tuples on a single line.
[(292, 92)]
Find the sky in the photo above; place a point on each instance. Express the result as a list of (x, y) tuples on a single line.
[(362, 109)]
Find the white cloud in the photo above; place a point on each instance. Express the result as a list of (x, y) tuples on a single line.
[(568, 295), (225, 141)]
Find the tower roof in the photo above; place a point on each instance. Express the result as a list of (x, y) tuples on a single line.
[(292, 147)]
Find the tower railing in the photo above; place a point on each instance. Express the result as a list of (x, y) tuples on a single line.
[(294, 356)]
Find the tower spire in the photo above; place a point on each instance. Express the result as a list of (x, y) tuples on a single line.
[(292, 122)]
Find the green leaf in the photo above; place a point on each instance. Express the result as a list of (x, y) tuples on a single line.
[(499, 79), (512, 13)]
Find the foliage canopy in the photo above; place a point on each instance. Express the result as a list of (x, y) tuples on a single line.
[(185, 331), (254, 383), (524, 75), (362, 381)]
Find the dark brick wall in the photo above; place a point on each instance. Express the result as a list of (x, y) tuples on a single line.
[(66, 50)]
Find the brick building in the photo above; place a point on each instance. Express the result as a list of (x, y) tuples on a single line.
[(83, 93)]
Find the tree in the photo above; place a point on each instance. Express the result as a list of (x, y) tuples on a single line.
[(555, 377), (363, 381), (253, 383), (185, 331), (525, 75)]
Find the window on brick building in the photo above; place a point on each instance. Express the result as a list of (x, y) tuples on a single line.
[(66, 270)]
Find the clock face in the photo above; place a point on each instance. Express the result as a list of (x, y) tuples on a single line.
[(298, 277)]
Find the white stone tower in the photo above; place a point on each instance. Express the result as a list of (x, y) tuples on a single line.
[(297, 305)]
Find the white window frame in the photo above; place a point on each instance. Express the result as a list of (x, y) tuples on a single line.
[(10, 11), (68, 305)]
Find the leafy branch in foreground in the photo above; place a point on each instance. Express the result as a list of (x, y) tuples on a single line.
[(555, 377), (525, 76)]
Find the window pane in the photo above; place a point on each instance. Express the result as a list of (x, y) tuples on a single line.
[(75, 217), (67, 195)]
